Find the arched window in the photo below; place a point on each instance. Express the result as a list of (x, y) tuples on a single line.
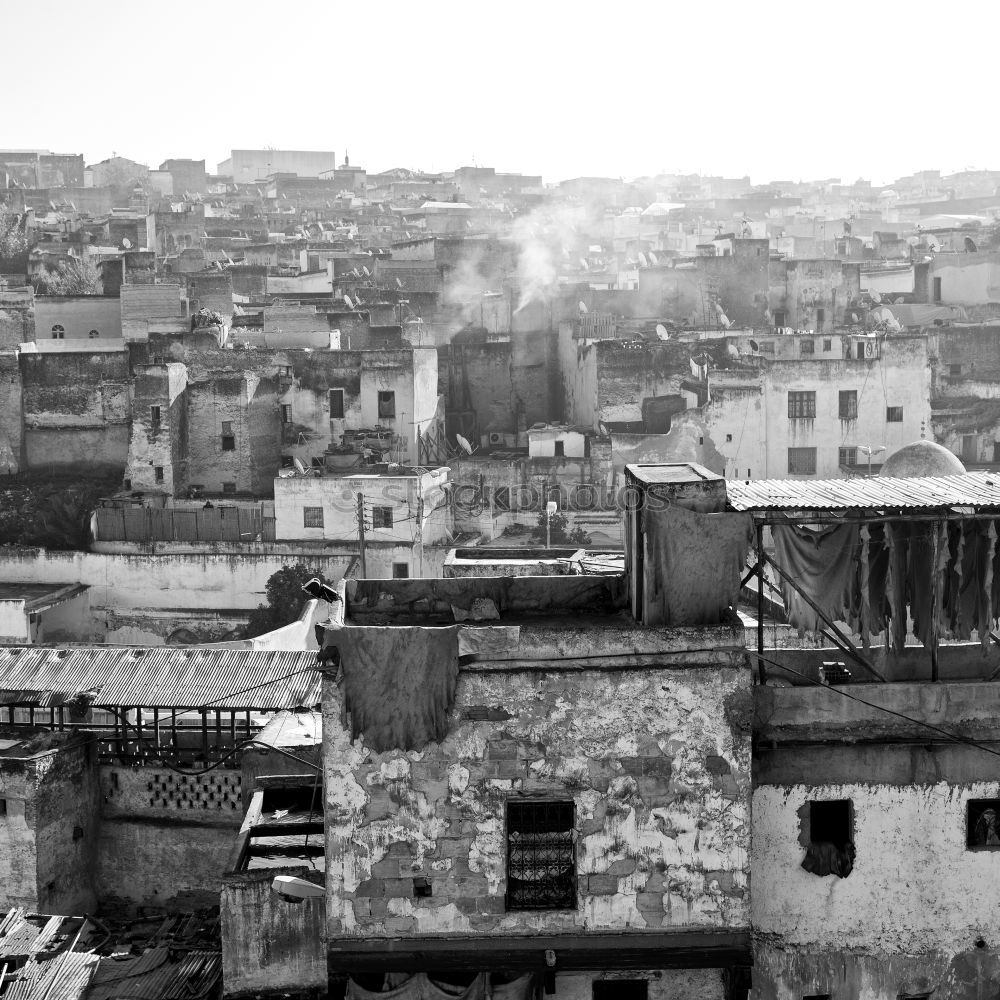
[(94, 334), (58, 332)]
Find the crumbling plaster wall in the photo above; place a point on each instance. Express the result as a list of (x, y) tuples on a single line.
[(657, 763)]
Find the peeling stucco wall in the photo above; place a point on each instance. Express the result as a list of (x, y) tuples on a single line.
[(656, 761)]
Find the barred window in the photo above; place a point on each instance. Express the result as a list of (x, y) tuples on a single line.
[(802, 404), (381, 517), (336, 404), (312, 517), (849, 404), (387, 404), (802, 461), (894, 414), (847, 456), (541, 856), (807, 347)]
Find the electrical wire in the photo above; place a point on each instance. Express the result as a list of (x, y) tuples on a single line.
[(839, 689)]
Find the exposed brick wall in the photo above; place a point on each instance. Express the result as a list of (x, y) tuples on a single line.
[(655, 760)]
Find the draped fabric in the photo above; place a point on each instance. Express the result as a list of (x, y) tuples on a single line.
[(824, 566), (399, 683), (420, 986), (937, 576), (694, 564)]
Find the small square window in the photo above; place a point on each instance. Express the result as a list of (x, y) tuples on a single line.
[(955, 371), (541, 856), (400, 571), (830, 846), (807, 347), (286, 413), (158, 473), (893, 414), (3, 807), (422, 888), (228, 442), (154, 416), (847, 456), (312, 517), (560, 447), (336, 404), (381, 517), (827, 345), (386, 404), (802, 405), (227, 427), (229, 487), (982, 831), (729, 438)]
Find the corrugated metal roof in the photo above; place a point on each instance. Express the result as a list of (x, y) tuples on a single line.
[(153, 976), (973, 489), (64, 977), (163, 677)]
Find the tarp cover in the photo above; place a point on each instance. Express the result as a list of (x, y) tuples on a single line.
[(399, 682), (694, 563)]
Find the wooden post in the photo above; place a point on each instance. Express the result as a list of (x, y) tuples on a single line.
[(361, 535), (204, 734), (761, 669)]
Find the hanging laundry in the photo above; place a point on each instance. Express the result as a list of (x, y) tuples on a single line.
[(824, 565), (399, 683)]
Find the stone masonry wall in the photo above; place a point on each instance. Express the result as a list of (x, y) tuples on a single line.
[(656, 761)]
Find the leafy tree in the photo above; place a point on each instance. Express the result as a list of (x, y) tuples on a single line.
[(63, 522), (73, 277), (13, 239), (558, 531), (284, 599)]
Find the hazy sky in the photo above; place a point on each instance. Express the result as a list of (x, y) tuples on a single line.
[(776, 90)]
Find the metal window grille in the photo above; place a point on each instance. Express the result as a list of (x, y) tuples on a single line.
[(312, 517), (847, 456), (807, 347), (849, 404), (802, 461), (541, 856), (802, 404), (894, 414), (381, 517), (336, 404)]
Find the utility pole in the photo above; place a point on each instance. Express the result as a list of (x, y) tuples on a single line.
[(361, 535), (420, 530)]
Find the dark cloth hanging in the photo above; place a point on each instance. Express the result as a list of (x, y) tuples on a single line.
[(694, 564), (824, 565), (871, 608), (970, 579), (420, 986), (897, 538), (399, 683)]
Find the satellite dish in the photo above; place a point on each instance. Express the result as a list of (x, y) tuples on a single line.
[(399, 284), (642, 259), (299, 467), (348, 302), (583, 308), (464, 444), (126, 243), (662, 332), (653, 257), (604, 431), (754, 346)]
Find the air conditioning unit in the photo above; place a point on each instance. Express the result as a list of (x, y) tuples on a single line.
[(496, 438)]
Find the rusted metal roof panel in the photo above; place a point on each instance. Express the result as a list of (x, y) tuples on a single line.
[(973, 489), (163, 677)]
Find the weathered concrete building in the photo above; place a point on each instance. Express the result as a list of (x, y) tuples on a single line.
[(75, 404), (577, 809)]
